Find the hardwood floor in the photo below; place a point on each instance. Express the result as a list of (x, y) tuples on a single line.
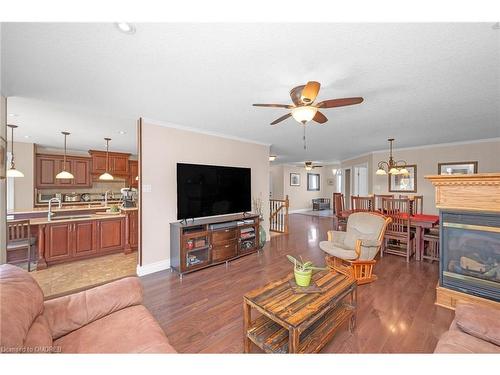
[(203, 312)]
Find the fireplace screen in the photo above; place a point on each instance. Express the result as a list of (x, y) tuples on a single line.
[(470, 260)]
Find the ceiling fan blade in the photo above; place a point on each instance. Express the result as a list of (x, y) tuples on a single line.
[(296, 93), (331, 103), (320, 118), (284, 117), (310, 92), (274, 105), (318, 166)]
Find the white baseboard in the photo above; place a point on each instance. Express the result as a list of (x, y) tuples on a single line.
[(153, 267), (299, 210)]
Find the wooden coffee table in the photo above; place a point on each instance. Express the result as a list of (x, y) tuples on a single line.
[(299, 323)]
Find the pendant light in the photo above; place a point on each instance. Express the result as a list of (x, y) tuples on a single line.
[(12, 171), (106, 175), (64, 174), (391, 166)]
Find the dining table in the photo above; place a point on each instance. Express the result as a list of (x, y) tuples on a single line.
[(420, 222)]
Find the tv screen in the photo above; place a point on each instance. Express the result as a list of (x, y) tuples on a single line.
[(208, 190)]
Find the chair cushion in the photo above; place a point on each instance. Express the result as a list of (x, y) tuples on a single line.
[(479, 321), (363, 226), (456, 341), (337, 250), (21, 302), (130, 330)]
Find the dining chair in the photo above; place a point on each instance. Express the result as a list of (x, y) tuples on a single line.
[(359, 203), (431, 244), (399, 239), (19, 242), (378, 200), (338, 207)]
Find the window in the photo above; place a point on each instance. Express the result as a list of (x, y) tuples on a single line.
[(313, 182)]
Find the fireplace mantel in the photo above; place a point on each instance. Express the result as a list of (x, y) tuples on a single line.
[(477, 192)]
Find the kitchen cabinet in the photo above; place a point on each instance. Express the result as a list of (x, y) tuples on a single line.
[(110, 234), (58, 242), (48, 166), (118, 163), (72, 240), (132, 229), (133, 166)]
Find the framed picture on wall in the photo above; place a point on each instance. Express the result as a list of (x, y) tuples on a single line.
[(404, 184), (459, 167), (294, 179), (330, 181), (313, 183)]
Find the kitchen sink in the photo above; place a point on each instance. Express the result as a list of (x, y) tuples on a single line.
[(55, 218)]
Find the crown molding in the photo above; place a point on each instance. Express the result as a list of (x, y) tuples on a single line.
[(449, 144), (171, 125)]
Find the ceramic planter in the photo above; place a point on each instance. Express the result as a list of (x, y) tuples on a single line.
[(303, 278)]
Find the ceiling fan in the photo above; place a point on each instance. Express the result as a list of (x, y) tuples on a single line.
[(303, 110), (309, 166)]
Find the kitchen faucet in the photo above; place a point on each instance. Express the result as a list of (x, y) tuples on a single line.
[(50, 213), (106, 197)]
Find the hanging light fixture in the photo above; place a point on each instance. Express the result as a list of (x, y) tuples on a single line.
[(64, 174), (272, 157), (106, 175), (391, 166), (12, 171)]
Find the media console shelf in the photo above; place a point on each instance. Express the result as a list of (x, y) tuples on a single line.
[(205, 242)]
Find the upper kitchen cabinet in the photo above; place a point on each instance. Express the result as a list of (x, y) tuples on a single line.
[(118, 163), (133, 166), (48, 166)]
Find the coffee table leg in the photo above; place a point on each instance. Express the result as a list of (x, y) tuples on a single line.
[(247, 316), (293, 340), (354, 303)]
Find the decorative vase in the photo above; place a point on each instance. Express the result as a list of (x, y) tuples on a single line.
[(303, 278)]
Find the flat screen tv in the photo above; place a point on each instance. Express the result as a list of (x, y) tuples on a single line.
[(208, 190)]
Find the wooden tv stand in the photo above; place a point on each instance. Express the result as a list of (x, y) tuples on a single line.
[(206, 242)]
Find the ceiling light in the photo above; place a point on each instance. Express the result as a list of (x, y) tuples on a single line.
[(125, 27), (496, 26), (122, 132), (27, 136), (13, 114), (391, 166), (304, 114), (106, 175), (64, 174), (12, 171), (272, 157)]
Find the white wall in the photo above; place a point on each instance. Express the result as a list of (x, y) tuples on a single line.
[(24, 186), (277, 186), (162, 148)]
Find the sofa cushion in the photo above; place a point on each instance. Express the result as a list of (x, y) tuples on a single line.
[(337, 250), (130, 330), (39, 337), (479, 321), (21, 301), (460, 342)]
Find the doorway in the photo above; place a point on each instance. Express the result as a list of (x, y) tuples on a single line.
[(360, 180)]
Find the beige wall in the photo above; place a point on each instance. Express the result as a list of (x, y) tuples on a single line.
[(23, 186), (3, 188), (162, 149), (300, 198), (277, 181), (487, 153)]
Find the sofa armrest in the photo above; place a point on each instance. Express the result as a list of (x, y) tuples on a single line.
[(336, 236), (68, 313), (479, 321)]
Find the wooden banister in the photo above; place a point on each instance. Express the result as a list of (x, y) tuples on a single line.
[(278, 215)]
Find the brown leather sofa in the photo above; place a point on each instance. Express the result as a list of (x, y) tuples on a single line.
[(106, 319), (476, 329)]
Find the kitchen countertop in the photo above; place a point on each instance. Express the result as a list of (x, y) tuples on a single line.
[(81, 203), (73, 218), (63, 209)]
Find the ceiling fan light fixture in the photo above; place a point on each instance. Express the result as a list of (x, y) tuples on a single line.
[(304, 114)]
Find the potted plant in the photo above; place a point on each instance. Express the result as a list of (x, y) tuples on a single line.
[(303, 270)]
